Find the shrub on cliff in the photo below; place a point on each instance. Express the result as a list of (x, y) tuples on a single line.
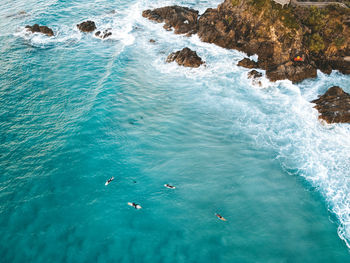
[(316, 43)]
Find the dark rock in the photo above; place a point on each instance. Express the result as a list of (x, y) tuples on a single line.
[(212, 29), (324, 66), (103, 34), (40, 29), (340, 64), (186, 57), (291, 72), (36, 28), (334, 106), (247, 63), (182, 19), (254, 74), (87, 26), (45, 30)]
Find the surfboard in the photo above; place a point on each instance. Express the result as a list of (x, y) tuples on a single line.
[(109, 180), (136, 206), (220, 217), (169, 186)]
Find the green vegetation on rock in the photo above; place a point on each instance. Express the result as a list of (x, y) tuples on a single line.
[(316, 43)]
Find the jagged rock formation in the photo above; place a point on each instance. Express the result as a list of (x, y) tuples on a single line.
[(87, 26), (334, 105), (247, 63), (253, 74), (106, 33), (186, 57), (320, 36), (40, 29), (182, 19)]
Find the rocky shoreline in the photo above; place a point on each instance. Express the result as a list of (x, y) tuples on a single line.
[(291, 42), (321, 38)]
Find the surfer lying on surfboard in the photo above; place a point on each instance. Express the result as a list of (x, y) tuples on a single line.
[(109, 180), (169, 186), (220, 217), (136, 206)]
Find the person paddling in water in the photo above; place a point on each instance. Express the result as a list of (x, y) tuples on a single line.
[(220, 217), (109, 180), (169, 186), (136, 206)]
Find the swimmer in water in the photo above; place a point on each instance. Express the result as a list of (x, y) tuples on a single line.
[(169, 186), (220, 217), (109, 180), (136, 206)]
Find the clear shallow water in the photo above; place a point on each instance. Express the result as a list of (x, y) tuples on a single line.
[(76, 110)]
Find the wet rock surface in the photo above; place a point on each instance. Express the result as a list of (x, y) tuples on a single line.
[(185, 57), (295, 73), (254, 74), (40, 29), (87, 26), (182, 19), (247, 63), (334, 106), (103, 35)]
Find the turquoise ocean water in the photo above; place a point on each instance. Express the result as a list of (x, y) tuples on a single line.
[(76, 110)]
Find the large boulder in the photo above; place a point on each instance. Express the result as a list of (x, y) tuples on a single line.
[(334, 106), (40, 29), (186, 57), (87, 26), (182, 19), (247, 63), (295, 73)]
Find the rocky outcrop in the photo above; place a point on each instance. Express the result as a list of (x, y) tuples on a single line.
[(40, 29), (247, 63), (182, 19), (295, 73), (320, 37), (186, 57), (334, 106), (87, 26), (253, 74), (105, 34)]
